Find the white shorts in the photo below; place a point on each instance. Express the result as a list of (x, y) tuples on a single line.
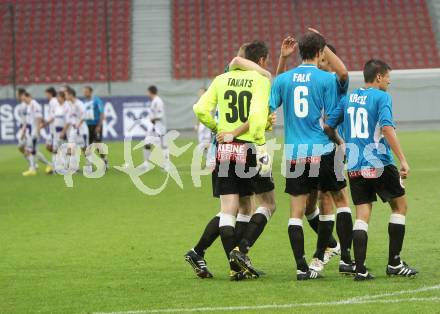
[(56, 140), (78, 136), (159, 129)]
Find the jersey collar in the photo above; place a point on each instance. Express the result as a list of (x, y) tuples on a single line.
[(307, 65)]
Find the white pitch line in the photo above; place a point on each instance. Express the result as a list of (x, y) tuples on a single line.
[(351, 301)]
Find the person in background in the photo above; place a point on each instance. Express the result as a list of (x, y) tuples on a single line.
[(203, 133), (94, 108)]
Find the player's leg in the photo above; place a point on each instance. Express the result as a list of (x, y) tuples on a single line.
[(165, 152), (389, 187), (265, 189), (22, 147), (30, 152), (312, 215), (245, 211), (296, 237), (211, 231), (396, 233), (329, 182), (344, 227), (229, 210), (360, 240), (147, 153), (49, 148), (196, 256), (41, 158)]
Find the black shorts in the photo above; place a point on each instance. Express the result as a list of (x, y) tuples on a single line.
[(388, 186), (262, 184), (93, 136), (227, 177), (314, 173)]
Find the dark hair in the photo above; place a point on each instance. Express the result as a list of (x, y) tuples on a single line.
[(62, 95), (152, 89), (51, 91), (71, 91), (27, 94), (21, 91), (256, 50), (89, 88), (373, 67), (332, 48), (310, 44)]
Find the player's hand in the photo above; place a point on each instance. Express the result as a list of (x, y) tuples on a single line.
[(264, 163), (97, 129), (404, 169), (288, 47), (273, 118), (225, 137)]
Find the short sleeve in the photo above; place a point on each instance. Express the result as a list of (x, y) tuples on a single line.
[(386, 111)]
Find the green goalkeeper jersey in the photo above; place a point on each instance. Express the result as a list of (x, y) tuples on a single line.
[(239, 96)]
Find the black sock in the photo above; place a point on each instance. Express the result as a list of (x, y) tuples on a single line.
[(208, 237), (227, 234), (344, 229), (240, 229), (396, 233), (360, 239), (253, 231), (296, 237), (314, 223), (325, 229)]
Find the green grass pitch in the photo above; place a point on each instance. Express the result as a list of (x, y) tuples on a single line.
[(102, 246)]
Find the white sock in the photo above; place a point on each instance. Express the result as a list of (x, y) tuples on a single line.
[(32, 162), (166, 157), (42, 158), (147, 153)]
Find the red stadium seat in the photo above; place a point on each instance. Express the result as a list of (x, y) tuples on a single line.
[(207, 34), (64, 40)]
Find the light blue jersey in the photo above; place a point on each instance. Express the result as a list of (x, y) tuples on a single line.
[(307, 94), (93, 107), (363, 113)]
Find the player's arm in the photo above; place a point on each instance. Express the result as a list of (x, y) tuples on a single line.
[(206, 105), (51, 116), (388, 130), (248, 65), (288, 47), (226, 137), (336, 63), (82, 115), (390, 135), (101, 114), (39, 118), (259, 110), (335, 118)]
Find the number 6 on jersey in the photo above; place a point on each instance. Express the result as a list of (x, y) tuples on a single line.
[(300, 103)]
